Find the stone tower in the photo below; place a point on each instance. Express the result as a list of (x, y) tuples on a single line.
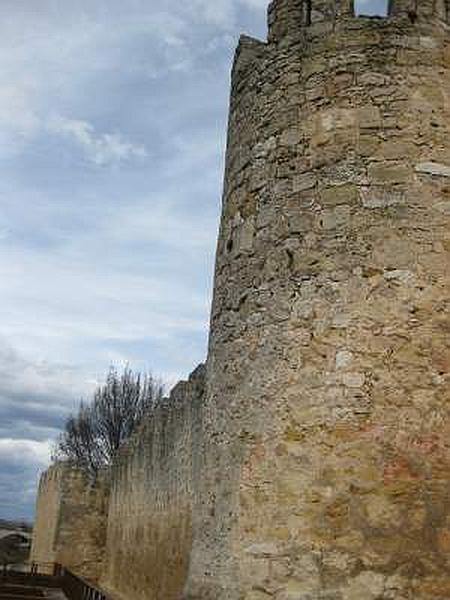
[(326, 452)]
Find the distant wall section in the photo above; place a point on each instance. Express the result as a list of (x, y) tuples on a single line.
[(71, 519), (43, 548), (81, 537)]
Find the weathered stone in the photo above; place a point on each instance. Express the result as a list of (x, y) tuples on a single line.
[(265, 549), (367, 585), (388, 173), (245, 235), (291, 137), (431, 168), (353, 380), (316, 466), (382, 512), (369, 117), (257, 595), (344, 358), (304, 182), (380, 197), (402, 275), (339, 194), (71, 521), (335, 218)]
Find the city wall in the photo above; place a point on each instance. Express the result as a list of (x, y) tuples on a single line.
[(313, 463), (70, 523), (150, 525), (131, 533), (46, 523)]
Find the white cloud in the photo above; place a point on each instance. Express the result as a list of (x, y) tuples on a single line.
[(221, 13), (4, 234), (36, 383), (255, 4), (103, 265), (16, 110), (18, 119), (25, 451), (165, 224), (100, 148)]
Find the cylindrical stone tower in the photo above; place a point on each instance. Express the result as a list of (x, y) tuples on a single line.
[(326, 468)]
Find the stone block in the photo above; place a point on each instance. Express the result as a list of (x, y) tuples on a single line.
[(367, 585), (304, 182), (379, 196), (388, 173), (257, 595), (335, 218), (435, 169), (369, 117), (346, 193)]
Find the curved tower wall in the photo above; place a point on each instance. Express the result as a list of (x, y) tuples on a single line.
[(327, 453)]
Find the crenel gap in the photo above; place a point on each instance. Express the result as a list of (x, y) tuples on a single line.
[(371, 8)]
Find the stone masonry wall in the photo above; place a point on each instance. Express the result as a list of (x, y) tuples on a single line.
[(312, 461), (81, 538), (137, 539), (43, 548), (326, 459), (150, 527), (71, 517)]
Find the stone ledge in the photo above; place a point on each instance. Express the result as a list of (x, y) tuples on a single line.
[(432, 168)]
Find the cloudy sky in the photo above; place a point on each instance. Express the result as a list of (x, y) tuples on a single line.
[(112, 130)]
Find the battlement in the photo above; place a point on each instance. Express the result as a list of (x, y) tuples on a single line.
[(289, 18)]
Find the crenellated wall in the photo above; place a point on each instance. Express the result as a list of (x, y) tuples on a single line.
[(310, 459)]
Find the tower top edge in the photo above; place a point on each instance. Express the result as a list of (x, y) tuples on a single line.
[(291, 17)]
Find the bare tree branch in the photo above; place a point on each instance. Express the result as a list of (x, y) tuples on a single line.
[(92, 438)]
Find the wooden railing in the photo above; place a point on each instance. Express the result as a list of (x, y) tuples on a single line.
[(51, 575), (76, 588), (42, 574)]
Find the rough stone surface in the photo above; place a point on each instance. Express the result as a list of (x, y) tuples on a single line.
[(70, 525), (150, 532), (45, 531), (327, 461), (433, 169), (318, 467)]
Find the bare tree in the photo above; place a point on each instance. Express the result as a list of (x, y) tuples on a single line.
[(92, 438)]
